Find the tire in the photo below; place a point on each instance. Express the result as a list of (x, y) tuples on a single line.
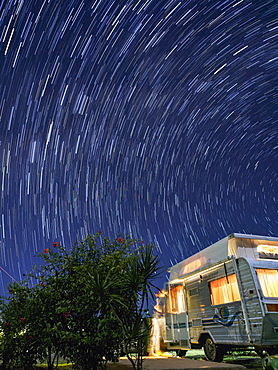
[(212, 351), (181, 352)]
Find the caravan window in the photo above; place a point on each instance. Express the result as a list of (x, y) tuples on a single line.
[(224, 290), (176, 302), (268, 279)]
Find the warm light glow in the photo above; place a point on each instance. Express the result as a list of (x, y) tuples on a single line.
[(267, 251), (272, 307), (192, 266), (162, 293), (158, 308), (268, 279), (224, 290), (176, 303), (163, 354)]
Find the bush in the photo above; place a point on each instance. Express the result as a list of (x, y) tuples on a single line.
[(87, 304)]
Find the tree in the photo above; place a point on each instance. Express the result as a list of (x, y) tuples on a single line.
[(17, 342), (134, 324), (79, 299), (32, 326)]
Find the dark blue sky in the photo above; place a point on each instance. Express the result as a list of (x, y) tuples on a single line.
[(153, 118)]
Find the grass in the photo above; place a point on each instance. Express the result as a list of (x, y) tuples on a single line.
[(62, 366), (110, 366), (249, 360)]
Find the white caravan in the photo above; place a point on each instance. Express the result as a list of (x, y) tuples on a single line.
[(222, 298)]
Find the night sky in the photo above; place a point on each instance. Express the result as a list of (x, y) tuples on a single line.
[(155, 118)]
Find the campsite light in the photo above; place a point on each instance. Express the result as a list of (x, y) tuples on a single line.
[(162, 293)]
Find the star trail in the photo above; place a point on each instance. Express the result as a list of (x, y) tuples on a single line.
[(155, 118)]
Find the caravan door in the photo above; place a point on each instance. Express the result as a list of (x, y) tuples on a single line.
[(177, 331)]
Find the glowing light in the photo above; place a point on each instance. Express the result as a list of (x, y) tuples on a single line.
[(267, 249)]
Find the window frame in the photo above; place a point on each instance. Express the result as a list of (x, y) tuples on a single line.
[(225, 291), (267, 286)]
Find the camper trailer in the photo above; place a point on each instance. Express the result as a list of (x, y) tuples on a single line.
[(223, 298)]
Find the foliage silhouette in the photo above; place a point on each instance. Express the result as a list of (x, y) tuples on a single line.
[(86, 305)]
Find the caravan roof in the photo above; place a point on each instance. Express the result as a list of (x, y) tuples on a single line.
[(238, 245)]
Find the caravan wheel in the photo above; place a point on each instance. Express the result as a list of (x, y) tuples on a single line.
[(212, 351), (181, 352)]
